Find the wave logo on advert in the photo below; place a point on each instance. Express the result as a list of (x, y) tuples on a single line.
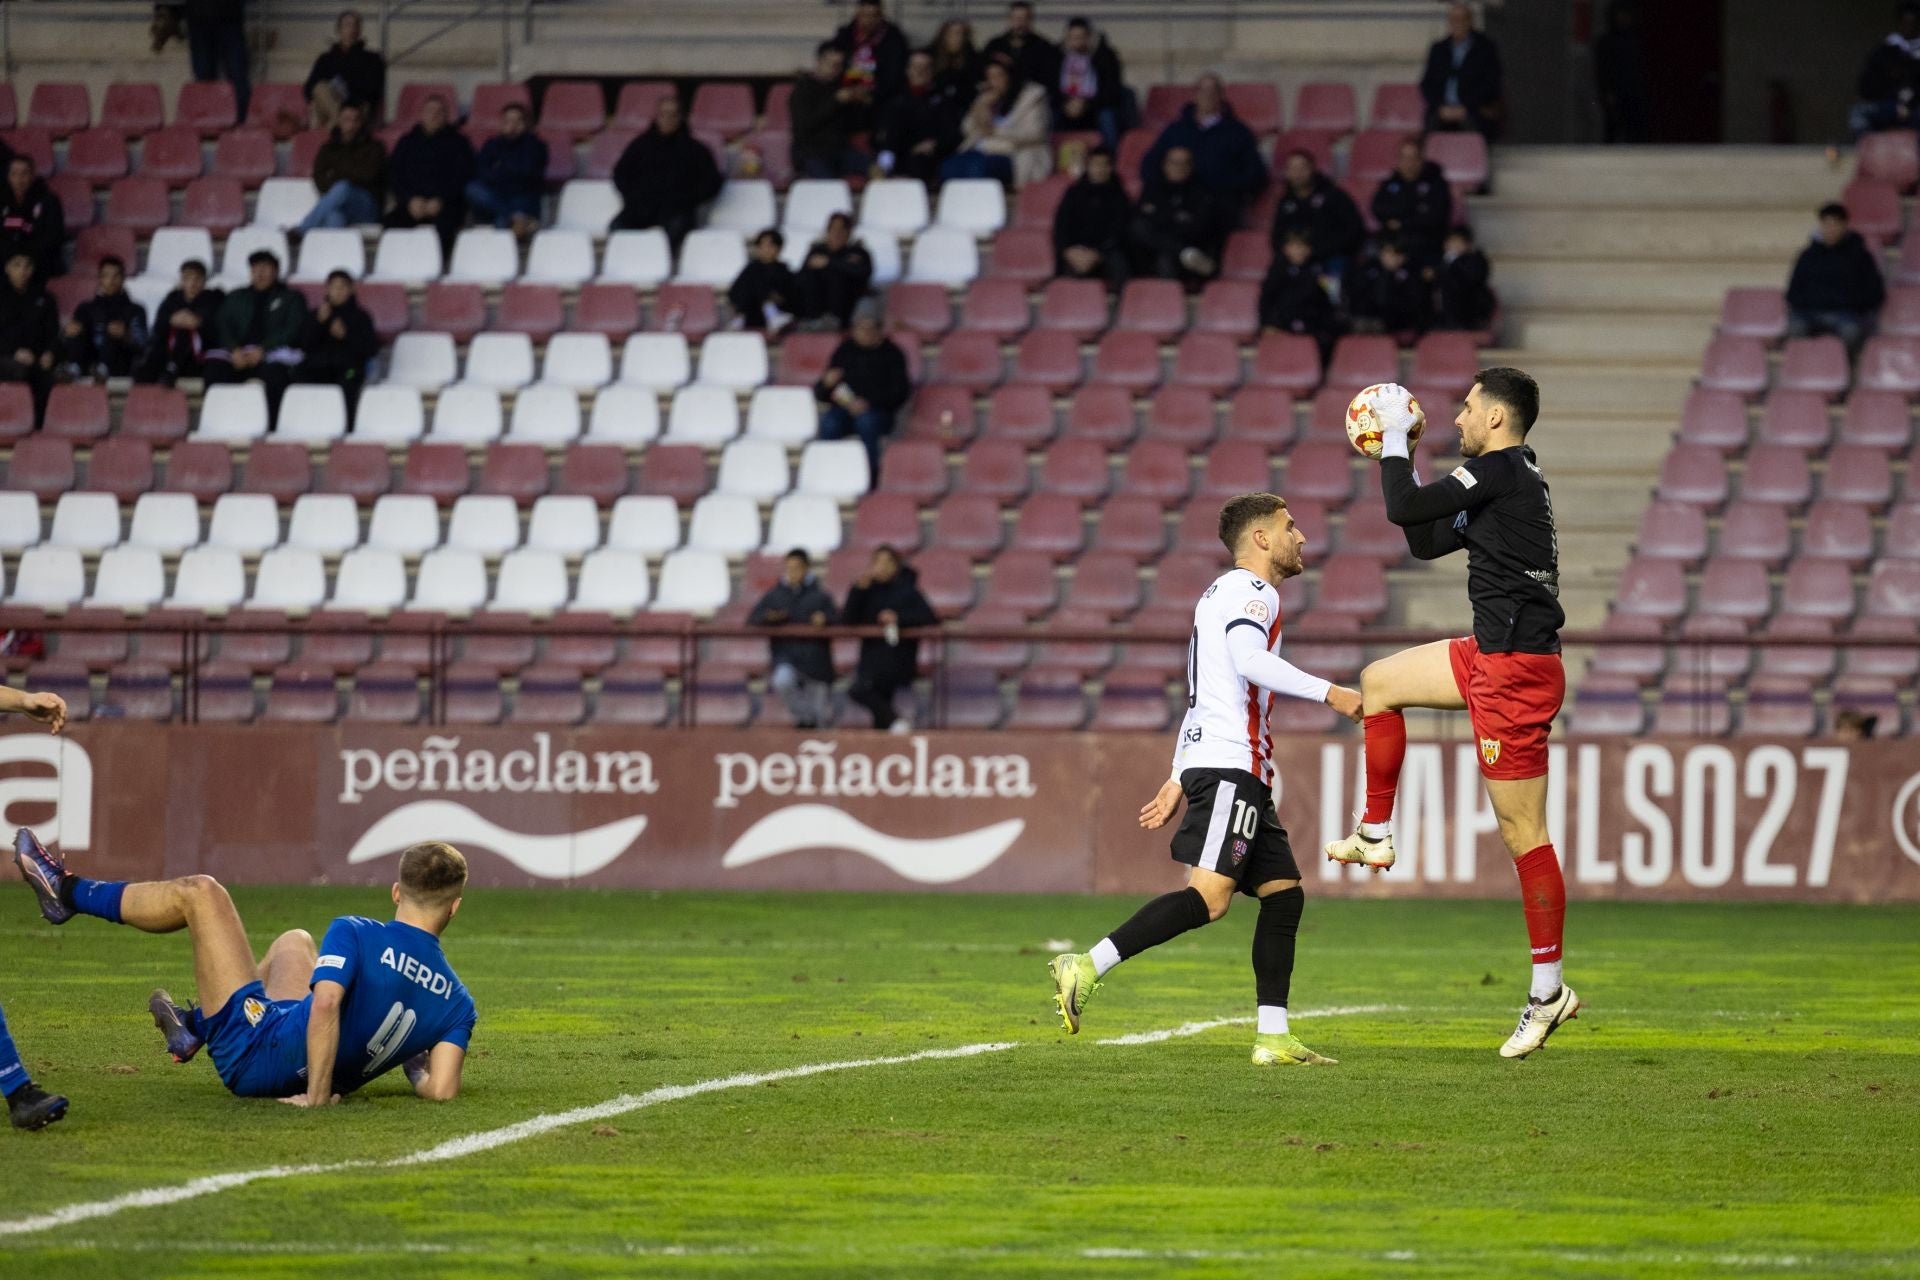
[(1906, 818)]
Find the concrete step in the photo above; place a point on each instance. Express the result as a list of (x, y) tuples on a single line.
[(1655, 177), (1611, 333), (1508, 225), (1556, 280)]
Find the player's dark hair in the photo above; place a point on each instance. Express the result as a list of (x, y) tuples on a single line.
[(800, 554), (1243, 512), (259, 256), (339, 275), (1834, 209), (113, 260), (194, 264), (432, 873), (773, 234), (1514, 389)]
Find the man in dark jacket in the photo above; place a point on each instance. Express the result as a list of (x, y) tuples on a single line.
[(1034, 56), (1414, 204), (833, 279), (887, 596), (1226, 156), (1389, 294), (762, 294), (1293, 298), (258, 331), (1466, 299), (875, 52), (1092, 223), (1180, 228), (32, 220), (183, 328), (1315, 206), (29, 331), (108, 330), (664, 176), (826, 112), (1088, 91), (864, 386), (347, 72), (510, 175), (1463, 85), (1889, 85), (802, 671), (1836, 286), (432, 165), (350, 171), (340, 341), (217, 45), (915, 130)]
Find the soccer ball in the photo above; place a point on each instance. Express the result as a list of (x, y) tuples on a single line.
[(1363, 420)]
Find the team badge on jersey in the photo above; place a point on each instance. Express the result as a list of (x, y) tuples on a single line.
[(1490, 750), (1256, 609), (255, 1009)]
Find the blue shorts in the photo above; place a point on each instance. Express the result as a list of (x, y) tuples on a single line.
[(259, 1046)]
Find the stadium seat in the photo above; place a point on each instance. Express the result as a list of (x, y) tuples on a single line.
[(785, 415), (1326, 106), (970, 360), (1891, 156), (1127, 359), (1024, 254), (556, 257), (708, 257), (1843, 531), (87, 522), (594, 470), (1049, 359), (1754, 313), (173, 156), (1858, 474), (590, 205), (977, 206), (382, 693), (77, 412), (514, 470), (633, 108), (1208, 361), (1694, 473), (970, 524), (1814, 364), (436, 469), (48, 577), (1672, 530), (754, 469), (677, 471), (100, 155), (1715, 420), (645, 525), (1735, 364), (833, 469), (132, 109), (1157, 307), (1775, 473), (503, 361), (545, 415), (994, 307), (1286, 362), (450, 581), (745, 205), (312, 414), (59, 107), (1462, 156), (411, 256), (1229, 308), (485, 256), (1101, 415), (1817, 589), (886, 519), (1361, 360), (141, 204), (424, 361), (1133, 525), (42, 465), (703, 415), (467, 413), (328, 249), (209, 580), (691, 581), (233, 413), (1077, 469), (358, 468), (1257, 103), (897, 205), (1796, 418), (566, 524), (20, 521), (1020, 412), (574, 108), (811, 202), (726, 524), (644, 260), (405, 523), (1887, 364), (531, 581), (326, 524), (1050, 524), (208, 106), (941, 255), (918, 468), (624, 416), (610, 309), (486, 524), (721, 107)]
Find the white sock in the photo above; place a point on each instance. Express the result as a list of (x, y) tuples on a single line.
[(1104, 956), (1546, 980), (1273, 1020), (1375, 830)]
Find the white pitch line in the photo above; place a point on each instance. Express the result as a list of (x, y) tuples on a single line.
[(1195, 1028)]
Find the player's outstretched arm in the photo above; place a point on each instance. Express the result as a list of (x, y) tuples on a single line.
[(49, 709), (323, 1046), (435, 1074), (1257, 665)]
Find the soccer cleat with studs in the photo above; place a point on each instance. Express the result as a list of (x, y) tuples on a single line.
[(43, 873), (1074, 982), (1287, 1051), (1538, 1020), (31, 1107), (1375, 855), (171, 1018)]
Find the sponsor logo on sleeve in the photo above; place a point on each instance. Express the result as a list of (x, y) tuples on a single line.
[(330, 962), (1464, 476), (1257, 610)]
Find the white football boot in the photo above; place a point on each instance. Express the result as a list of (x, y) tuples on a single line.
[(1374, 854), (1538, 1020)]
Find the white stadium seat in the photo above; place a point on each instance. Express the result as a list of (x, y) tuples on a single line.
[(129, 579), (612, 582), (370, 580), (406, 524), (724, 523), (243, 243), (703, 415), (466, 413), (884, 247), (810, 202), (833, 469), (172, 246), (245, 522), (289, 580), (312, 413), (977, 206), (425, 361), (87, 522), (805, 520), (589, 205), (325, 250), (503, 361), (325, 523), (20, 518), (578, 361), (745, 205), (167, 522), (657, 360), (530, 581), (711, 258), (545, 415), (643, 259), (624, 415), (485, 256), (284, 203), (693, 581), (407, 255), (647, 524), (559, 256), (450, 581), (943, 255), (488, 523), (235, 412), (736, 361), (898, 205), (389, 413), (787, 415), (48, 578), (209, 580), (754, 469), (567, 523)]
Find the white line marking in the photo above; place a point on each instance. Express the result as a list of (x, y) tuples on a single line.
[(1195, 1028)]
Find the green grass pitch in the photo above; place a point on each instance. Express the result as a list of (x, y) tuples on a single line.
[(1742, 1096)]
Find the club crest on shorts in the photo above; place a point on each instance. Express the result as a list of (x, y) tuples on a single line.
[(1490, 750), (255, 1009), (1239, 851)]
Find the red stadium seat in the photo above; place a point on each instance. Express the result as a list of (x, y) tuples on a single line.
[(1714, 420), (923, 308), (517, 471), (574, 108), (385, 302), (76, 200), (77, 412), (35, 143), (612, 309), (1735, 364), (458, 309), (1898, 662), (1892, 156), (1352, 585), (1162, 107), (1796, 418), (685, 308), (1652, 589), (1261, 415), (1778, 707), (133, 109), (1051, 524), (1775, 473), (1816, 589), (141, 204), (1900, 317), (677, 471), (536, 310), (1102, 415), (918, 469), (1733, 589), (1021, 253), (414, 95), (1234, 468), (1318, 143), (1461, 156), (1893, 589), (1075, 307), (561, 162), (1022, 581), (1840, 531), (96, 243), (1248, 256), (722, 107), (1049, 359), (1209, 361), (358, 469), (16, 411), (1288, 362), (1754, 313), (1608, 705), (767, 153), (218, 204), (1328, 106), (946, 578), (281, 108), (491, 98), (779, 106), (634, 108), (1257, 104), (207, 106), (1077, 469), (98, 155), (1397, 108), (245, 154), (1183, 416), (1157, 470), (1132, 700), (970, 360), (995, 307), (1886, 364), (1127, 359), (1133, 526), (59, 107), (969, 523), (1229, 307), (173, 156), (42, 464), (1374, 153), (1360, 360), (436, 469), (944, 414), (1038, 201), (597, 471), (886, 519), (1444, 362), (1048, 699), (1367, 532), (154, 413), (1321, 472), (9, 106), (1158, 307), (1751, 531), (383, 693), (1858, 474), (122, 466), (1814, 364), (305, 145), (604, 150), (1021, 412), (280, 468), (203, 468)]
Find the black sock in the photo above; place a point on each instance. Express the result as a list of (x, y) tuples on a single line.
[(1273, 936), (1162, 920)]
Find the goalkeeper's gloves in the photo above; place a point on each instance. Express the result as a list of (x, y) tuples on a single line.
[(1398, 418)]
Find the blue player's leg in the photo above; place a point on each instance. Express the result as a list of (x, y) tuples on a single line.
[(28, 1107)]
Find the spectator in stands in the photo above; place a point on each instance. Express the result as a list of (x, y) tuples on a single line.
[(182, 328), (956, 67), (510, 175), (1092, 223), (863, 387), (1889, 85), (1463, 85), (350, 171), (1315, 206), (826, 112), (29, 331), (1226, 157), (1293, 297), (340, 341), (1414, 204), (664, 176), (915, 130), (32, 220), (1180, 227), (1033, 56), (762, 294), (432, 165), (1089, 91), (875, 51), (802, 669), (1621, 76), (1836, 286), (1854, 725), (217, 45), (887, 595), (1388, 294), (835, 276), (347, 72), (257, 334), (1466, 300), (108, 330), (1006, 132)]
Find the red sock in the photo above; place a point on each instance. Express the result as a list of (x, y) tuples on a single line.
[(1386, 751), (1543, 895)]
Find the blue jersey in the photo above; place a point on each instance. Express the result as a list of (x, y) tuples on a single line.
[(402, 996)]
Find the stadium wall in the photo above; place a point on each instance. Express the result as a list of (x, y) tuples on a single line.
[(1651, 819)]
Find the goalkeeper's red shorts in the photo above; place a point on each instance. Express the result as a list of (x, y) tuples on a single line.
[(1512, 699)]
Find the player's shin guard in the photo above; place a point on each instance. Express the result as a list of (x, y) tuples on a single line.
[(1274, 931), (13, 1075), (1386, 751), (1543, 895), (1162, 920)]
